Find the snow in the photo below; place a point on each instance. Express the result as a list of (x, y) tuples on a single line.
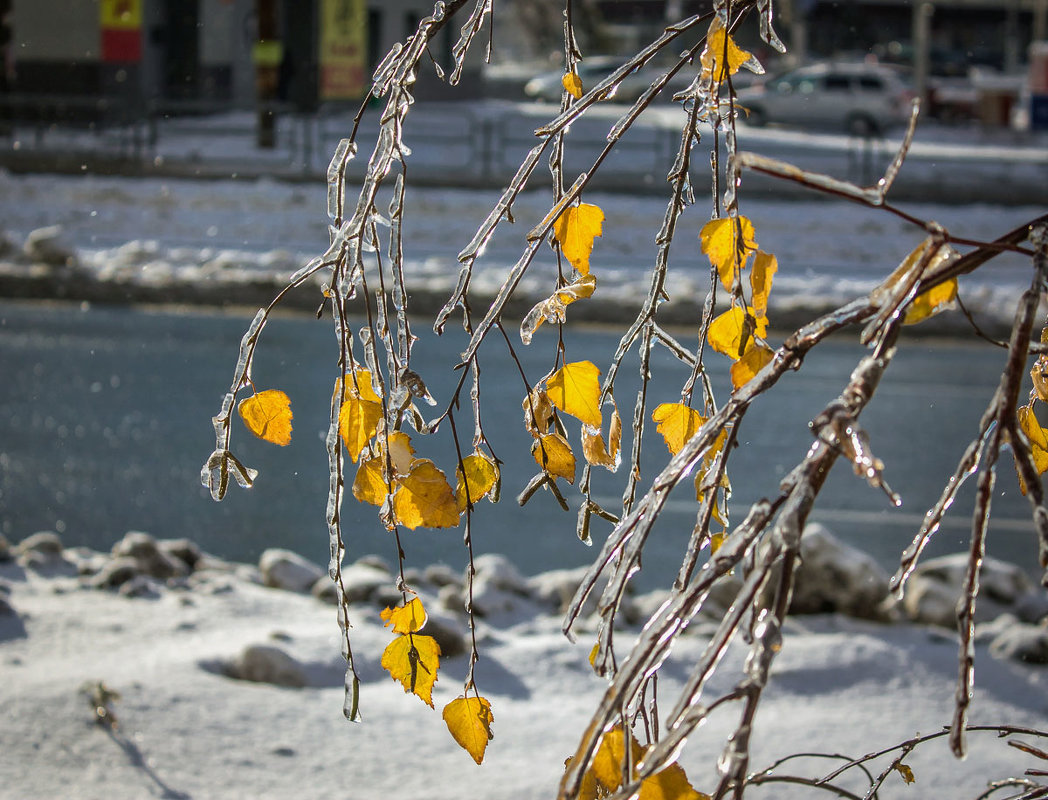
[(164, 232), (184, 730)]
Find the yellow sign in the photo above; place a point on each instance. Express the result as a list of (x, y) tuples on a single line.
[(121, 14), (343, 49)]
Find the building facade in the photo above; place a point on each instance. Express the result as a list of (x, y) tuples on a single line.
[(206, 51)]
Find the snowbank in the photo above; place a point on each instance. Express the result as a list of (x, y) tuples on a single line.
[(187, 729)]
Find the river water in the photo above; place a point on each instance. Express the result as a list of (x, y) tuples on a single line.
[(105, 421)]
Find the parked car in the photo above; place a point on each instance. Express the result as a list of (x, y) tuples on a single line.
[(861, 99)]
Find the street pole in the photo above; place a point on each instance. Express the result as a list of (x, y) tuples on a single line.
[(922, 23), (267, 56)]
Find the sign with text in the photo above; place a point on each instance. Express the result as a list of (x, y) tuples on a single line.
[(121, 30), (343, 49)]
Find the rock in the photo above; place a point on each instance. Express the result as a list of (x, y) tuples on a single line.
[(48, 246), (451, 598), (283, 569), (490, 600), (834, 577), (1032, 607), (185, 550), (374, 561), (7, 245), (639, 608), (500, 573), (932, 602), (151, 560), (115, 573), (386, 596), (140, 586), (43, 552), (46, 543), (441, 575), (1028, 643), (556, 588), (722, 595), (361, 580), (6, 553), (324, 590), (6, 609), (998, 580), (265, 663), (412, 576), (451, 640)]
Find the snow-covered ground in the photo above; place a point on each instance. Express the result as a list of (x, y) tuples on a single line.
[(185, 730), (161, 232)]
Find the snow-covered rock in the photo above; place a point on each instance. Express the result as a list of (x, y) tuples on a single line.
[(266, 663), (935, 586), (49, 246), (834, 577), (150, 558), (284, 569), (1022, 642)]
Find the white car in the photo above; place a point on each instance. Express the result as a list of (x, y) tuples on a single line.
[(861, 99)]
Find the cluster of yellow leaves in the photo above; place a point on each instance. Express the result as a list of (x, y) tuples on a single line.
[(413, 659), (574, 230), (677, 423), (268, 415), (606, 772), (411, 491), (574, 389), (1028, 424), (737, 333)]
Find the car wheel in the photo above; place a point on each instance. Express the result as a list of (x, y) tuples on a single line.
[(861, 125), (755, 117)]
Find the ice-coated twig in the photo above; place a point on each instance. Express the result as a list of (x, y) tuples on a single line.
[(1004, 428)]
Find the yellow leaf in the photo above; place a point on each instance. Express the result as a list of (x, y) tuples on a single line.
[(575, 230), (607, 763), (1038, 438), (765, 265), (931, 302), (360, 413), (752, 362), (906, 772), (716, 540), (405, 619), (670, 783), (268, 416), (538, 412), (575, 390), (481, 475), (553, 453), (732, 332), (677, 423), (359, 382), (594, 448), (554, 308), (588, 789), (1039, 376), (728, 242), (369, 486), (413, 660), (572, 84), (714, 63), (401, 453), (469, 720), (424, 499)]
